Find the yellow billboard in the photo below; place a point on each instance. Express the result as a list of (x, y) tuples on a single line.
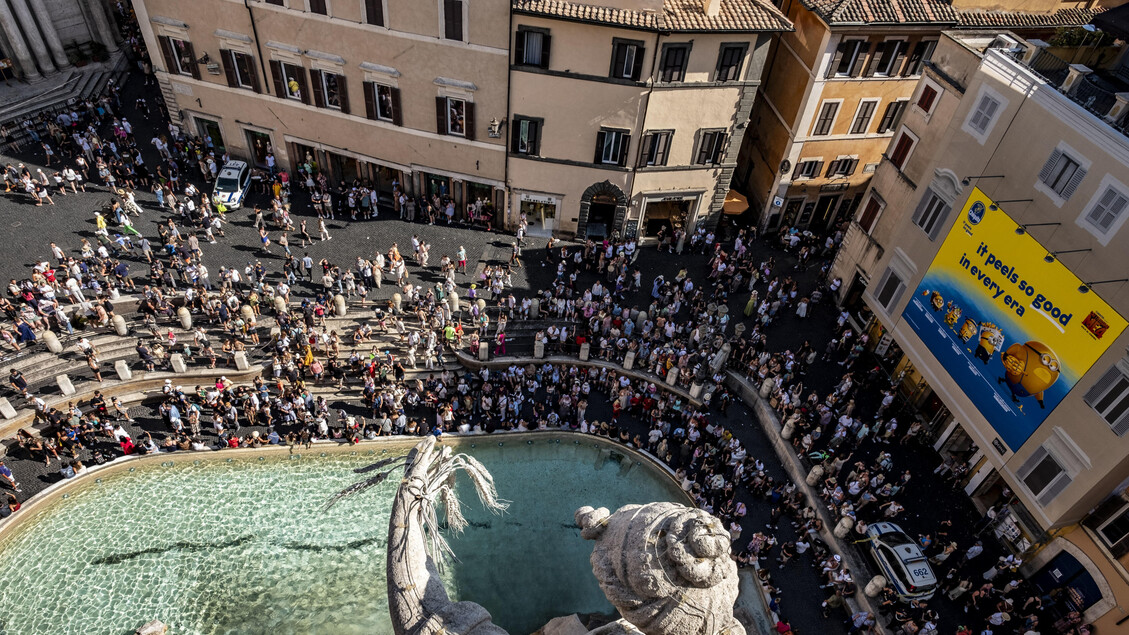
[(1013, 327)]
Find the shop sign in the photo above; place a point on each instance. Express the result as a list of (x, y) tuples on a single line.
[(1013, 330), (548, 200)]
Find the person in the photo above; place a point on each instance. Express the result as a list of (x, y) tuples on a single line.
[(16, 379), (6, 474)]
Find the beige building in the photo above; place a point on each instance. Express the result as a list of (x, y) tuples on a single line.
[(836, 88), (626, 118), (1046, 141), (393, 91)]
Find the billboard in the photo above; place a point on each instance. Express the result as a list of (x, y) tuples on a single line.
[(1012, 330)]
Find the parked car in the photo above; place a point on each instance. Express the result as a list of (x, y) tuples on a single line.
[(232, 184), (901, 561)]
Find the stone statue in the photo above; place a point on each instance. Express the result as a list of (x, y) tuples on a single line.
[(665, 567)]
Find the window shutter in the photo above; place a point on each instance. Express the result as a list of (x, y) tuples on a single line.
[(441, 115), (873, 61), (515, 136), (1049, 166), (519, 47), (545, 39), (856, 68), (302, 87), (343, 93), (166, 52), (836, 59), (915, 60), (1102, 386), (370, 100), (818, 167), (229, 67), (924, 204), (852, 164), (536, 149), (664, 140), (397, 118), (601, 136), (277, 79), (624, 147), (870, 214), (1060, 483), (1032, 461), (1075, 180), (900, 59), (619, 56), (637, 69), (832, 167), (796, 172), (468, 119), (648, 144), (193, 67), (319, 90), (253, 75)]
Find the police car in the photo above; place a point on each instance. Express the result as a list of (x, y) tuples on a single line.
[(232, 184), (901, 561)]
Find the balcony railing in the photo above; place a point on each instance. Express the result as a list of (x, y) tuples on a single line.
[(1096, 93)]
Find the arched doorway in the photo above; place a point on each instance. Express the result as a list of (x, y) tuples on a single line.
[(602, 209)]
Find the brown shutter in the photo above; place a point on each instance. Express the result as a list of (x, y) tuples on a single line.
[(535, 144), (319, 92), (468, 120), (600, 136), (796, 172), (836, 59), (899, 60), (343, 93), (441, 115), (193, 67), (370, 100), (832, 167), (166, 52), (624, 146), (873, 61), (519, 47), (857, 68), (545, 40), (278, 79), (253, 74), (851, 166), (515, 135), (397, 118), (648, 143), (818, 167), (637, 70), (303, 88), (229, 67)]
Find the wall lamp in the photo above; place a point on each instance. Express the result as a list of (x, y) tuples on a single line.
[(966, 181), (204, 60), (1054, 254), (1085, 287), (995, 206), (1022, 229)]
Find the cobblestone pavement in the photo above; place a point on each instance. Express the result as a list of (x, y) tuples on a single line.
[(927, 501)]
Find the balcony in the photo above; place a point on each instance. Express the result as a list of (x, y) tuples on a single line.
[(1104, 93)]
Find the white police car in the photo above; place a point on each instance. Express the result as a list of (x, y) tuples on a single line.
[(902, 563), (232, 184)]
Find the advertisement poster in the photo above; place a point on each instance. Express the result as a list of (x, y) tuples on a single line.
[(1012, 329)]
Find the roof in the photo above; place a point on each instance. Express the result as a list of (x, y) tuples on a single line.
[(677, 15), (874, 12), (974, 18), (1115, 21)]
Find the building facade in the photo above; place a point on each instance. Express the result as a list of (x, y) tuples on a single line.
[(41, 37), (1003, 133)]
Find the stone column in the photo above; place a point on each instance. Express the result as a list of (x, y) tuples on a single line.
[(18, 44), (49, 34), (102, 29), (27, 22)]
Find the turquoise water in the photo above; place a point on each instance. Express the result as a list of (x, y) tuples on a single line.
[(238, 545)]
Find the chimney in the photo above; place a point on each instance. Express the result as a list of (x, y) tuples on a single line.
[(711, 7)]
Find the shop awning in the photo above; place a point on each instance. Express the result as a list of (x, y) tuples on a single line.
[(735, 203)]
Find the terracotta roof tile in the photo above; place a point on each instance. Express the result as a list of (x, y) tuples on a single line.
[(677, 15), (1019, 20), (869, 12)]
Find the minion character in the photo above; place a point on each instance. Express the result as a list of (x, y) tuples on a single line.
[(1029, 369), (991, 338), (937, 301), (968, 329), (953, 316)]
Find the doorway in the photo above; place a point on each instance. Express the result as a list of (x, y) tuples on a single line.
[(209, 131), (600, 216), (259, 145), (665, 216), (791, 210), (824, 208), (541, 216)]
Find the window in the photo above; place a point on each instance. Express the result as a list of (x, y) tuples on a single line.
[(180, 58), (1044, 476), (612, 146), (239, 69), (729, 62), (892, 115), (656, 145), (863, 116), (870, 212), (674, 59), (711, 145), (842, 166), (1109, 397), (1107, 210), (931, 213), (531, 47), (826, 119), (903, 149), (374, 12), (382, 103), (807, 169), (453, 20), (890, 289), (887, 58), (526, 136), (455, 117), (1116, 529), (280, 3), (1062, 174), (329, 90), (848, 58), (289, 81), (927, 98), (627, 59), (318, 6), (921, 54)]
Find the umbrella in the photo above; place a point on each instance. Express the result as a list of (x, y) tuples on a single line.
[(735, 203)]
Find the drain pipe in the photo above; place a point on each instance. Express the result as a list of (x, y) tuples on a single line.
[(507, 192), (259, 49)]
